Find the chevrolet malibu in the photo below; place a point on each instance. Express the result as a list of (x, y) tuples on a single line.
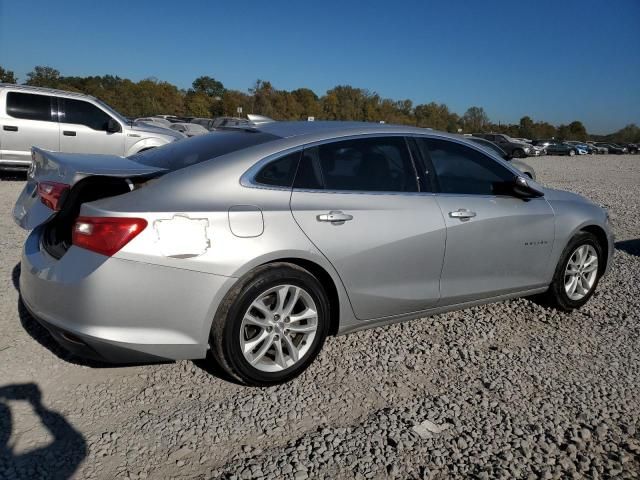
[(256, 243)]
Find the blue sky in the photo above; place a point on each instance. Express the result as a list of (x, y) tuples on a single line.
[(553, 60)]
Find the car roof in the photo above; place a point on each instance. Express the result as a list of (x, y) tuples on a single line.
[(45, 91)]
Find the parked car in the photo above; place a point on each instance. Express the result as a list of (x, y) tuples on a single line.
[(598, 148), (67, 122), (561, 148), (255, 244), (493, 148), (581, 147), (513, 147), (157, 121), (631, 147), (189, 129), (613, 148)]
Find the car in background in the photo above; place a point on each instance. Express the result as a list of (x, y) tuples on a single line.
[(582, 148), (613, 148), (492, 147), (510, 145), (598, 148), (220, 122), (157, 121), (562, 148), (632, 147), (254, 245), (67, 122), (189, 129)]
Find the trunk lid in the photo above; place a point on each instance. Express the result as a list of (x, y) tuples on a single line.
[(70, 169)]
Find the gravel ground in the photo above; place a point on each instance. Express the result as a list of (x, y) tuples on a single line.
[(509, 390)]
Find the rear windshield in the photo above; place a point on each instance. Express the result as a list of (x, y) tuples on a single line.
[(184, 153)]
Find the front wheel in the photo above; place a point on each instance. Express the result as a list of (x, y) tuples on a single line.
[(271, 326), (572, 153), (577, 273), (519, 153)]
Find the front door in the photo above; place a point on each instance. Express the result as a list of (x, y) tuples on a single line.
[(496, 243), (83, 129), (358, 202)]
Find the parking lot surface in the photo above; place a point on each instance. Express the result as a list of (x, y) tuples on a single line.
[(505, 390)]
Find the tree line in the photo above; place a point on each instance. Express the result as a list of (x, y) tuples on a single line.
[(208, 97)]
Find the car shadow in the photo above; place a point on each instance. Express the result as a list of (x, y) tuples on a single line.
[(59, 459), (632, 247), (13, 176)]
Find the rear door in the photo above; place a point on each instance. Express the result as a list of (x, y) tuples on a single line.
[(359, 202), (29, 120), (496, 243), (83, 128)]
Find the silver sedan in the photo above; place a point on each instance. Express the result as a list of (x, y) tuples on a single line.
[(258, 242)]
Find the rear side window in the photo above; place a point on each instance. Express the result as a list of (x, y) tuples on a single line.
[(279, 173), (184, 153), (464, 170), (29, 106), (84, 113), (379, 164)]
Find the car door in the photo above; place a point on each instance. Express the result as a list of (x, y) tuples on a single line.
[(359, 202), (83, 128), (496, 243), (29, 120)]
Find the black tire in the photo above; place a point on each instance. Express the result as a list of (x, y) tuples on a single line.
[(225, 330), (572, 153), (519, 153), (528, 174), (556, 296)]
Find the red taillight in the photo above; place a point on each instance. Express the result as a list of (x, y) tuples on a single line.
[(52, 194), (106, 235)]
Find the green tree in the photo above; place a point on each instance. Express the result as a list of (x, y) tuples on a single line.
[(577, 131), (7, 76), (198, 104), (475, 119), (43, 77), (526, 127), (208, 86)]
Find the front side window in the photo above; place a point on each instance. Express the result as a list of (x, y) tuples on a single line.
[(380, 164), (84, 113), (280, 172), (29, 106), (464, 170)]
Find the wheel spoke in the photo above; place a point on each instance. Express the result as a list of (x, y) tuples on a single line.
[(258, 322), (292, 302), (302, 328), (293, 351), (280, 360), (308, 314), (264, 349), (282, 298), (590, 268), (250, 345), (259, 305), (571, 286)]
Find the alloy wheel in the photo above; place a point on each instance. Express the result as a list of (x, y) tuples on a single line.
[(278, 328), (581, 272)]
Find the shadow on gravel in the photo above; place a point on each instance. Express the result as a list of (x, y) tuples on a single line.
[(57, 460), (13, 176), (630, 246)]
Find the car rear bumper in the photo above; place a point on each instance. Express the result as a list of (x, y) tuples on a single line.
[(118, 310)]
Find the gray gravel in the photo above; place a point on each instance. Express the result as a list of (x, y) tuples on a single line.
[(509, 390)]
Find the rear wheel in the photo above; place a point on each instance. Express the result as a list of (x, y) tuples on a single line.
[(271, 326), (572, 152), (518, 153), (577, 273)]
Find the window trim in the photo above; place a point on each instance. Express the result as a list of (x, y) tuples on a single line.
[(436, 180), (248, 178), (53, 106)]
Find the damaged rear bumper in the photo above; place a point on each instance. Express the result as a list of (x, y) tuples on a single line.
[(118, 310)]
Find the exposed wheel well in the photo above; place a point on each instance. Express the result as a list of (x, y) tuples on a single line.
[(601, 235), (327, 282)]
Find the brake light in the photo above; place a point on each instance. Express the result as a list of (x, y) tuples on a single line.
[(106, 235), (52, 194)]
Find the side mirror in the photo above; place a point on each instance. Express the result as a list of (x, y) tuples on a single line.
[(113, 126), (522, 189)]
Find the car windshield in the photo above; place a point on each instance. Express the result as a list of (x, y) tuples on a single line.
[(184, 153)]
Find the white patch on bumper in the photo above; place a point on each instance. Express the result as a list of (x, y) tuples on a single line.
[(182, 236)]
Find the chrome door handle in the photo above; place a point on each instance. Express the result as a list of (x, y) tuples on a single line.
[(462, 214), (335, 216)]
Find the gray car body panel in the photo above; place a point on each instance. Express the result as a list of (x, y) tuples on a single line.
[(236, 225)]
